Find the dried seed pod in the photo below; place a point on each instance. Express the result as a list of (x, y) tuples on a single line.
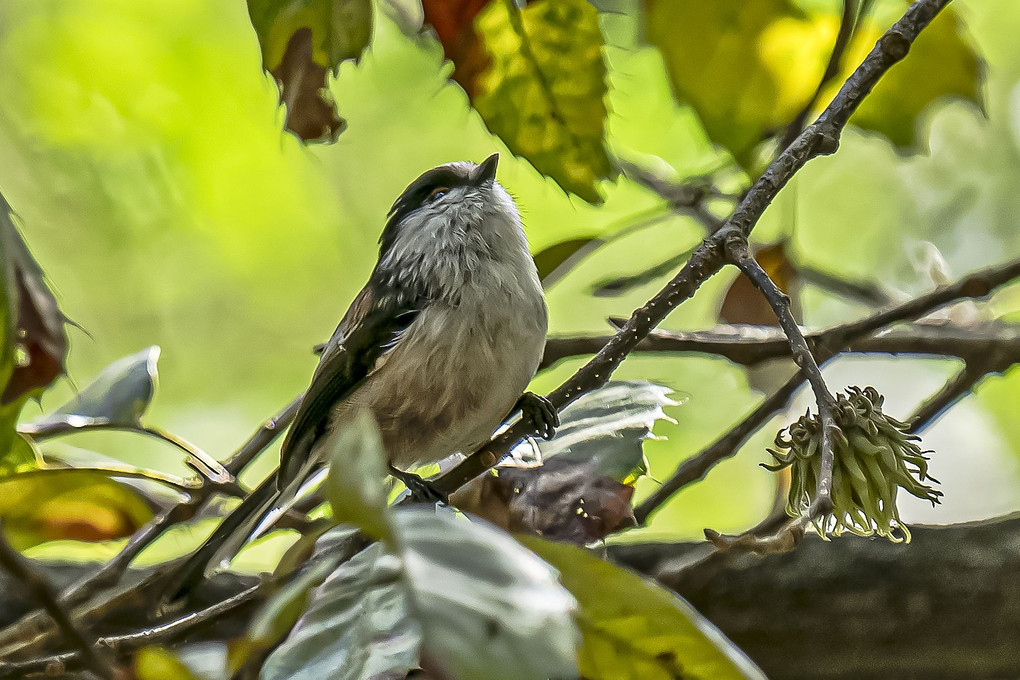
[(875, 456)]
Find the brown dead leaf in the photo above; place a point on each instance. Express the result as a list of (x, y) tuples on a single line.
[(311, 111), (563, 500)]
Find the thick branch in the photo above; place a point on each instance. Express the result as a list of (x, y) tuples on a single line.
[(945, 606), (751, 345)]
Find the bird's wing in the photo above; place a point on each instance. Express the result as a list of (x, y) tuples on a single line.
[(368, 329)]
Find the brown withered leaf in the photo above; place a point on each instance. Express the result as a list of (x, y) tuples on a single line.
[(745, 304), (311, 111), (563, 500), (35, 325)]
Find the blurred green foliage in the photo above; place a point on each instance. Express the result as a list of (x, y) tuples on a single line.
[(141, 146)]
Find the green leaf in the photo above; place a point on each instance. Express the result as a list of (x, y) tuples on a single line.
[(277, 616), (48, 504), (341, 29), (634, 628), (550, 259), (747, 68), (355, 485), (359, 625), (119, 396), (542, 88), (941, 63)]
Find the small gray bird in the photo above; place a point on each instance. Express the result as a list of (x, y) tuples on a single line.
[(438, 346), (443, 339)]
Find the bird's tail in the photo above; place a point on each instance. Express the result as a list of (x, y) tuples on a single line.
[(256, 514)]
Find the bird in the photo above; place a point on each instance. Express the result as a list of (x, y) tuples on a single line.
[(445, 336), (438, 347)]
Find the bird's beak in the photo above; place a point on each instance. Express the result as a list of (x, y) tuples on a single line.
[(486, 171)]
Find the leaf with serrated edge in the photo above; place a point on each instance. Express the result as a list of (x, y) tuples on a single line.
[(608, 426), (636, 630), (747, 68), (119, 396), (542, 91)]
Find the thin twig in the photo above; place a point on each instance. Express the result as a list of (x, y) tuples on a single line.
[(820, 138), (33, 624), (955, 389), (123, 644), (802, 356), (202, 462), (43, 594)]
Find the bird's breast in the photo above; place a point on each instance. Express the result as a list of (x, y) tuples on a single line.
[(456, 372)]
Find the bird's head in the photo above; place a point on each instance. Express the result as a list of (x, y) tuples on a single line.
[(449, 220)]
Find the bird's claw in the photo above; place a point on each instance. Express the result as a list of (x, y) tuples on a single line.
[(540, 412), (421, 490)]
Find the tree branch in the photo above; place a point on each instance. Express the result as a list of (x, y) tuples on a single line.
[(802, 356), (41, 591), (821, 137)]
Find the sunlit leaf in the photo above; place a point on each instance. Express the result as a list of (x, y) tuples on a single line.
[(747, 68), (942, 62), (537, 77), (50, 504), (21, 456), (302, 40), (159, 663), (355, 486), (635, 629), (119, 396)]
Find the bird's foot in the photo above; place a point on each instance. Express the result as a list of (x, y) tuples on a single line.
[(421, 490), (540, 412)]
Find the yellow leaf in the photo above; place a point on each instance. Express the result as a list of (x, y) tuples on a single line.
[(542, 91), (49, 504), (747, 68)]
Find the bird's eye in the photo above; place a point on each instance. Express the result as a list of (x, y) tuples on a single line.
[(437, 193)]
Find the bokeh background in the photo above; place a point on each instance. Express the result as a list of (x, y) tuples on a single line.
[(141, 146)]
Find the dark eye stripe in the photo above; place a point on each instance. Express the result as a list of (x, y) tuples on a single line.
[(416, 195)]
